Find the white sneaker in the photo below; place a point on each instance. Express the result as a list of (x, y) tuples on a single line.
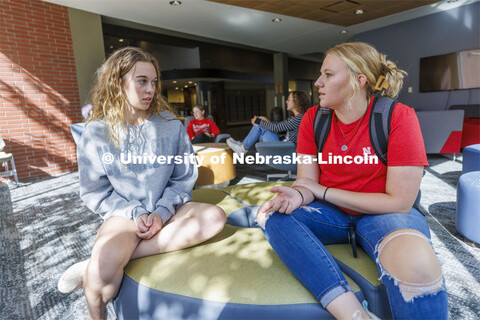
[(231, 140), (236, 146), (72, 279)]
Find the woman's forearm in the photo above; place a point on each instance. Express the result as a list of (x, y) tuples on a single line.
[(401, 190), (370, 203), (307, 195)]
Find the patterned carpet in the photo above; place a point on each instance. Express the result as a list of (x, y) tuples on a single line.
[(460, 258), (44, 228)]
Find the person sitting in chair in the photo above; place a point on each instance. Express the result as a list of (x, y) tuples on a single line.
[(201, 129), (266, 131)]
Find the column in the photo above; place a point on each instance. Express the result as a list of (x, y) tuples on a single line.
[(280, 76), (202, 95)]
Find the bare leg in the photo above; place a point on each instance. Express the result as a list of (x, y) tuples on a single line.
[(193, 223), (408, 257), (115, 242)]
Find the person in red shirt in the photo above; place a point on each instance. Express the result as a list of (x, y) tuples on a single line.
[(332, 199), (201, 129)]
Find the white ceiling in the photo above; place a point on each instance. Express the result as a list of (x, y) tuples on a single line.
[(243, 26)]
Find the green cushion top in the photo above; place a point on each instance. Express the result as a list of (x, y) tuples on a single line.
[(258, 193), (255, 193), (217, 197), (363, 265), (238, 266)]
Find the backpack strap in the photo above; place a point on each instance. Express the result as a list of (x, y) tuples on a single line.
[(321, 126), (379, 125), (380, 118)]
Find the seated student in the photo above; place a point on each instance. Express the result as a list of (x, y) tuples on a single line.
[(329, 199), (264, 130), (201, 129), (146, 207)]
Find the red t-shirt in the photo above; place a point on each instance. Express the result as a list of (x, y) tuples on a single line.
[(405, 148), (198, 126)]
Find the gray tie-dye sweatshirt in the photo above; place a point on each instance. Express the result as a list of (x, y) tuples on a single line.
[(153, 171)]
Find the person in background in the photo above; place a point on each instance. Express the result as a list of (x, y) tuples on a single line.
[(201, 129), (328, 200), (266, 131), (146, 207)]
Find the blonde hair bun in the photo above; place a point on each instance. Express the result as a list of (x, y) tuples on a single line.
[(363, 58)]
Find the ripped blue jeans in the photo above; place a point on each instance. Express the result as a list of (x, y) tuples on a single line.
[(299, 239)]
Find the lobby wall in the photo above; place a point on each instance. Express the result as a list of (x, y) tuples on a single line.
[(435, 34), (38, 87)]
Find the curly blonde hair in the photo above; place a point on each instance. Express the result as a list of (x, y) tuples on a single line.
[(362, 58), (108, 97)]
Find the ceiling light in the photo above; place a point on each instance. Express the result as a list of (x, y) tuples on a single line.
[(120, 40), (176, 88), (276, 20), (190, 81), (359, 11), (111, 47), (175, 3), (343, 31), (174, 81), (185, 86)]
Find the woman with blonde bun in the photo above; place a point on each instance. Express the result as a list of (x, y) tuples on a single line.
[(329, 198)]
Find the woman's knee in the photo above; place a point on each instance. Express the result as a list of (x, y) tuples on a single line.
[(407, 257), (201, 138), (208, 218), (262, 218), (113, 247), (216, 217), (271, 220)]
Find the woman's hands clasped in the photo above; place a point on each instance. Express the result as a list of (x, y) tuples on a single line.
[(148, 225)]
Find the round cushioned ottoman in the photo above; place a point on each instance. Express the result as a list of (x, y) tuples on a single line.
[(471, 158), (467, 220), (235, 275)]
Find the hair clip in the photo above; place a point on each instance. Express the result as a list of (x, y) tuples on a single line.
[(382, 84)]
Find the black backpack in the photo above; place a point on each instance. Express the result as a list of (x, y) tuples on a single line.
[(379, 126)]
